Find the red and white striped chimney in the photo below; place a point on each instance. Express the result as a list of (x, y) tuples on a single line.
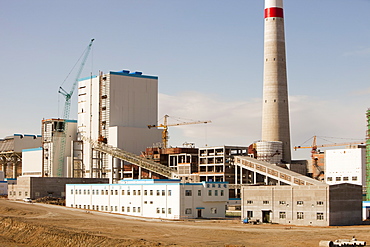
[(275, 115)]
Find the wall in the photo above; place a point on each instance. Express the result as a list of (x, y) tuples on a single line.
[(32, 162)]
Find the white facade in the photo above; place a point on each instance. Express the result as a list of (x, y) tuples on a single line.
[(117, 108), (345, 166), (32, 162), (153, 198)]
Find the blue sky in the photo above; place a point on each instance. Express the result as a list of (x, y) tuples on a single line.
[(208, 55)]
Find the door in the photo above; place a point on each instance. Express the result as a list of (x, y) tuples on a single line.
[(199, 213), (266, 216)]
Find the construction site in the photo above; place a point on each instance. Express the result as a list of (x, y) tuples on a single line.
[(117, 137)]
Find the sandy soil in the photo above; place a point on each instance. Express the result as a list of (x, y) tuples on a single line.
[(26, 224)]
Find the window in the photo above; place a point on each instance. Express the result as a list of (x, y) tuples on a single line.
[(84, 206), (158, 211), (139, 192), (222, 192), (88, 192), (71, 191), (134, 192), (134, 209), (128, 209), (93, 207), (97, 192), (145, 192), (20, 193), (111, 208), (151, 202), (102, 207), (319, 203), (249, 202), (123, 208), (188, 211), (207, 185), (76, 192), (199, 193), (93, 192), (213, 210), (106, 208), (106, 192), (102, 192), (163, 210), (169, 192), (116, 192), (345, 178), (138, 209), (209, 192), (26, 193), (145, 202), (158, 193), (216, 192), (36, 193), (111, 192), (213, 185), (116, 208), (128, 192), (319, 216), (123, 192), (169, 211), (266, 202), (338, 179), (354, 178), (79, 192), (163, 192), (84, 192), (249, 214), (282, 202), (151, 192), (187, 192), (299, 202), (300, 215), (282, 215), (329, 179)]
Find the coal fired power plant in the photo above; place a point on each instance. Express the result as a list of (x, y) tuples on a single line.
[(275, 115)]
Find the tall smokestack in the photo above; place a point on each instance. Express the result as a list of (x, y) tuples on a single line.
[(275, 116)]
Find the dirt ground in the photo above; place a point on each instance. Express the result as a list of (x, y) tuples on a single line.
[(26, 224)]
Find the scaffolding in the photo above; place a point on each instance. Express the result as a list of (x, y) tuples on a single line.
[(368, 156)]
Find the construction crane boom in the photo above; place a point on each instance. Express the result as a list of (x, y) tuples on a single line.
[(165, 126), (67, 109), (68, 96)]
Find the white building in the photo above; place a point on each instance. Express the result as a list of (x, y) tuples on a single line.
[(346, 166), (153, 198), (116, 108)]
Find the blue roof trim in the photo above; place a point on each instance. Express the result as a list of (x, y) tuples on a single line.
[(87, 78), (231, 199), (5, 182), (27, 135), (134, 74), (31, 149), (70, 121), (155, 184)]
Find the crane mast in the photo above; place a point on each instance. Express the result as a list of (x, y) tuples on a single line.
[(67, 109)]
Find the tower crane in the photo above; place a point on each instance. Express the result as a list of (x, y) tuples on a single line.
[(165, 126), (67, 108), (314, 150)]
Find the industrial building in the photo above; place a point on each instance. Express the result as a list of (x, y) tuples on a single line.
[(37, 187), (315, 205), (116, 109), (11, 152), (3, 184), (153, 198), (346, 166)]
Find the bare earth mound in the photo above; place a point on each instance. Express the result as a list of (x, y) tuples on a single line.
[(25, 224)]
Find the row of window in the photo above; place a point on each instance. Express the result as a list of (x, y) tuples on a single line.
[(14, 193), (282, 215), (189, 211), (215, 192), (354, 178), (300, 203), (218, 185), (123, 192), (105, 208)]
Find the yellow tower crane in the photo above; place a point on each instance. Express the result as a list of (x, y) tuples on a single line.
[(165, 126)]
